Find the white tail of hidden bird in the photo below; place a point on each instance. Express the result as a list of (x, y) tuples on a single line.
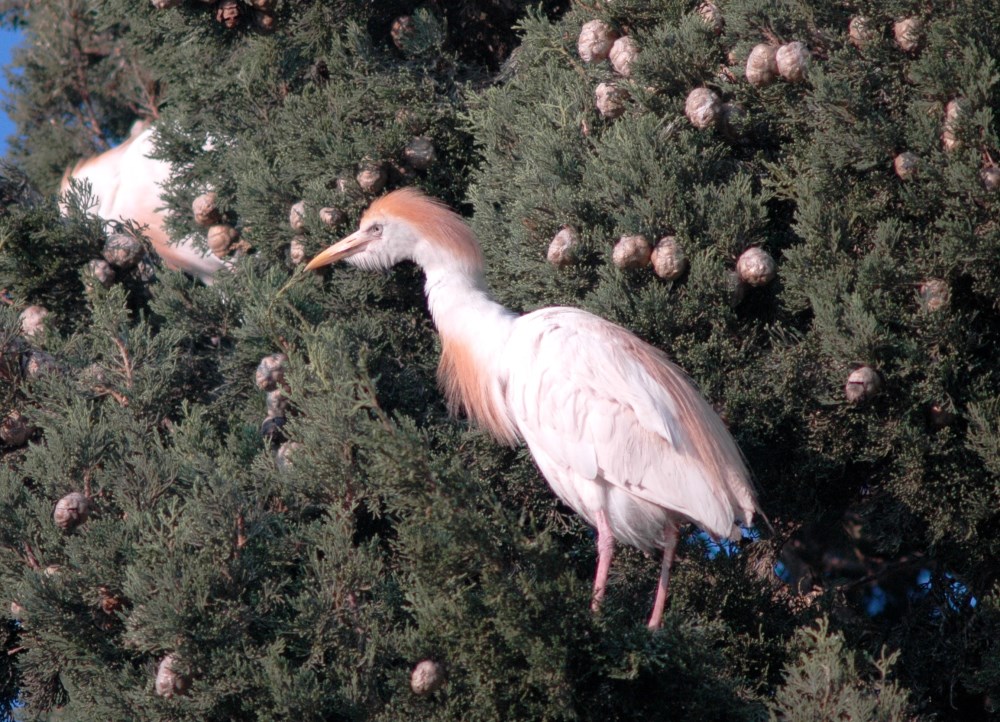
[(126, 183), (620, 432)]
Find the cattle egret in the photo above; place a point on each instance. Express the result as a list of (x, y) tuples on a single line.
[(126, 182), (619, 431)]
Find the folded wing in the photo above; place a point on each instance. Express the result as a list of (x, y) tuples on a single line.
[(606, 405)]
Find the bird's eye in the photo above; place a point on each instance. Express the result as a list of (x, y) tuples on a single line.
[(375, 229)]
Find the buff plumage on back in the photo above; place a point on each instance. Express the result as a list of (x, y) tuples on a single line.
[(434, 220), (711, 444), (602, 405)]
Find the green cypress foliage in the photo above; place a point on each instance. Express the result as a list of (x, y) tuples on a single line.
[(295, 546), (823, 683)]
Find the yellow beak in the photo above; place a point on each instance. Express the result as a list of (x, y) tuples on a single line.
[(354, 243)]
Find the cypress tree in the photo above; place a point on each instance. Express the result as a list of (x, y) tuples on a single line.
[(247, 499)]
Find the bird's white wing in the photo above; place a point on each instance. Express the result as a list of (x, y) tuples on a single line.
[(601, 403)]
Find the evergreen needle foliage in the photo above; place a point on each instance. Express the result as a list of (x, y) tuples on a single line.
[(296, 550)]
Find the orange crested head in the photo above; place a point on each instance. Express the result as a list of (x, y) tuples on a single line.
[(407, 224)]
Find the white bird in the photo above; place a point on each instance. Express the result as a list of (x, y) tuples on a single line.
[(126, 181), (620, 432)]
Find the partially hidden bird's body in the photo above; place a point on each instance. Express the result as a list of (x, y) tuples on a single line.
[(620, 433), (127, 183)]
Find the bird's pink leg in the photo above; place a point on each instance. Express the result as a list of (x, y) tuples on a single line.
[(605, 550), (670, 535)]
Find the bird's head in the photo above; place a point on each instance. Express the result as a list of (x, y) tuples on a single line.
[(406, 225)]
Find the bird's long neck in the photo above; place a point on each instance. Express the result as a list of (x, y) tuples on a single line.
[(474, 332)]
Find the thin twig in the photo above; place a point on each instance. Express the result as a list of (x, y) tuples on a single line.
[(30, 558), (126, 361), (121, 398), (886, 567)]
